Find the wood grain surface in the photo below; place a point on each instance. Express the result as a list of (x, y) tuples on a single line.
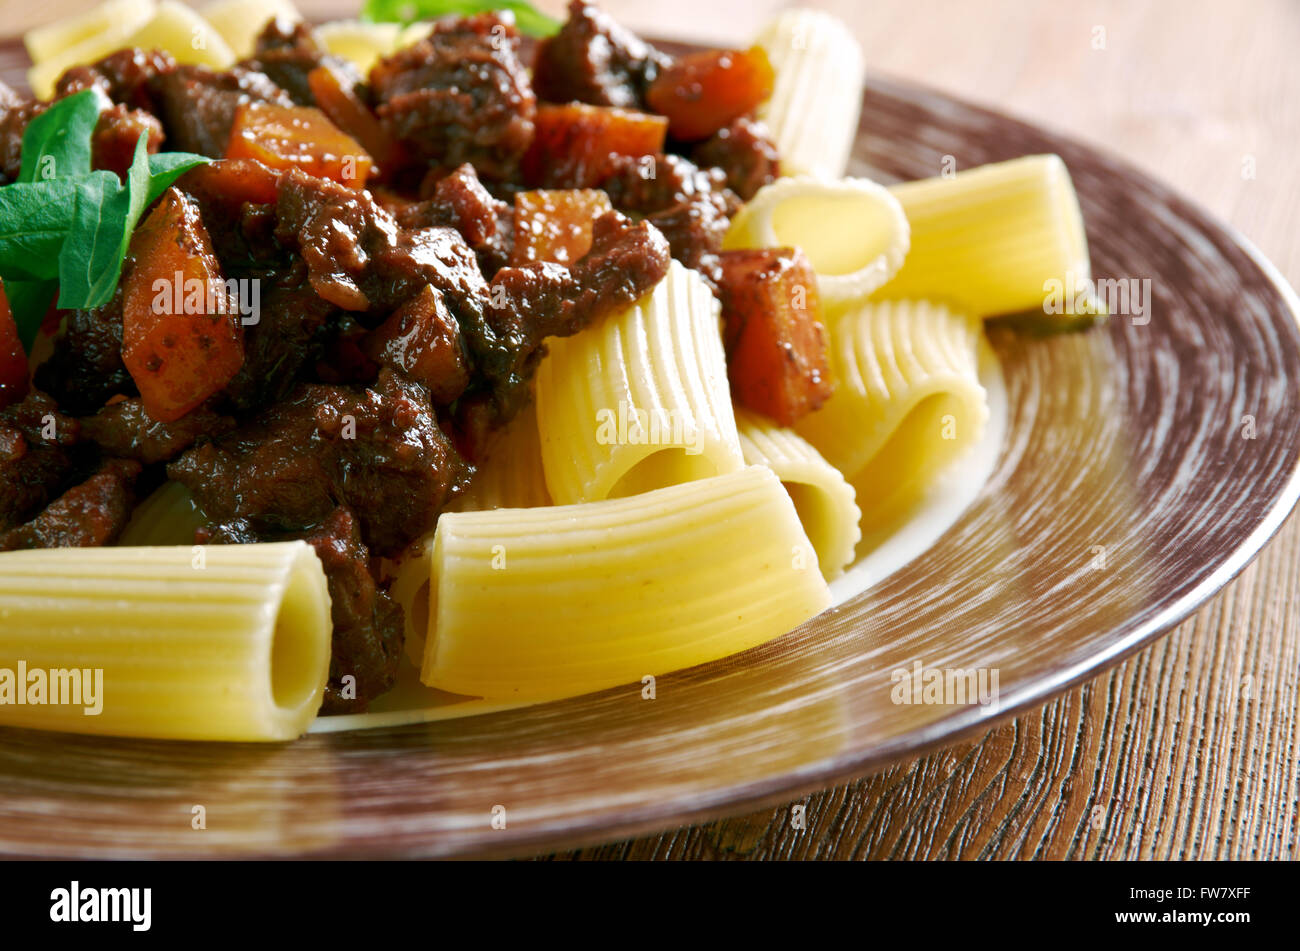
[(1188, 749)]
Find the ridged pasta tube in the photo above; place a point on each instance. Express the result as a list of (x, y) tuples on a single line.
[(908, 401), (991, 239), (114, 34), (639, 401), (511, 477), (821, 496), (554, 602), (817, 96), (223, 642), (853, 231)]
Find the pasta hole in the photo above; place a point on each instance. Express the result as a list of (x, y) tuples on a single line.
[(802, 222), (665, 467), (298, 651)]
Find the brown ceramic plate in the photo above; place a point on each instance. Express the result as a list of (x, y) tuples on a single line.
[(1127, 491)]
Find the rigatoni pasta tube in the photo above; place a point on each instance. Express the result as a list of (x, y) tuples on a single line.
[(908, 401), (218, 642), (853, 231), (991, 240), (817, 95), (512, 475), (639, 401), (821, 496), (555, 602)]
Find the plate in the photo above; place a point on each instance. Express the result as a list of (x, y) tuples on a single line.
[(1144, 463)]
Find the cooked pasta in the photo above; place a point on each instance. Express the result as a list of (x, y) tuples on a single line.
[(223, 642), (908, 401), (239, 21), (112, 35), (45, 42), (639, 401), (511, 477), (821, 496), (360, 43), (813, 112), (167, 517), (853, 231), (554, 602), (410, 589), (187, 36), (990, 239)]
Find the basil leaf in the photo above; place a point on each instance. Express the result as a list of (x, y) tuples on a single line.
[(57, 143), (29, 301), (528, 18), (166, 167), (86, 275), (34, 218)]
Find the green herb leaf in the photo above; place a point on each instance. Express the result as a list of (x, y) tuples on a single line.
[(528, 18), (166, 167), (57, 143), (34, 220), (61, 219)]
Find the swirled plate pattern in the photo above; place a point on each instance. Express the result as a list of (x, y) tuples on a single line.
[(1146, 461)]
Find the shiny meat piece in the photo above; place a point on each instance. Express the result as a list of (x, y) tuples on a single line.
[(745, 153), (116, 134), (86, 367), (197, 105), (36, 456), (287, 52), (377, 450), (88, 515), (460, 95), (125, 76), (125, 430), (595, 60)]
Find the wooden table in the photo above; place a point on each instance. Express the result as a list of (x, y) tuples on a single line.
[(1195, 762)]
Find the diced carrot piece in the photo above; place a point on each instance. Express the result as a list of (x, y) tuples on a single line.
[(555, 226), (340, 103), (572, 144), (776, 343), (703, 92), (181, 336), (13, 359), (232, 182), (284, 137), (422, 340)]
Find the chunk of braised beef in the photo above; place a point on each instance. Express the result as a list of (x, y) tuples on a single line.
[(593, 59), (368, 628), (285, 340), (125, 76), (460, 95), (197, 104), (377, 450), (86, 367), (125, 430), (422, 341), (458, 201), (15, 112), (287, 53), (36, 456), (337, 230), (88, 515), (116, 134), (745, 153), (690, 205)]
